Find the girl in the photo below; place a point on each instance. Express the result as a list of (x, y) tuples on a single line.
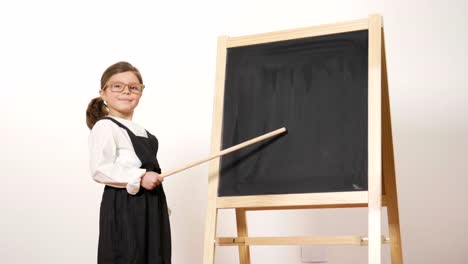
[(134, 222)]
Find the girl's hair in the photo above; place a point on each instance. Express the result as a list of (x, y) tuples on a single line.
[(97, 109)]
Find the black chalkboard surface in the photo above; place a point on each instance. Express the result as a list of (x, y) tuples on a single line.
[(317, 88)]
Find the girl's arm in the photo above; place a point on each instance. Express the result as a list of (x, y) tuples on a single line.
[(104, 169)]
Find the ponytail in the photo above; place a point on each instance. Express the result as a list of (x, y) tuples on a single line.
[(97, 109)]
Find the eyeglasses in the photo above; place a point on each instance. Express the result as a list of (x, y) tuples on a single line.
[(118, 87)]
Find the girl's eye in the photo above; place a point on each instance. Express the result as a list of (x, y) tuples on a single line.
[(135, 87)]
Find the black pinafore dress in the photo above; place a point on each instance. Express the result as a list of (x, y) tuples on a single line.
[(135, 229)]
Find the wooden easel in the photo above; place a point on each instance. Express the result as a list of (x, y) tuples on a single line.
[(381, 165)]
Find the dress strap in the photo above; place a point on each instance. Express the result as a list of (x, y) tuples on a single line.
[(119, 124)]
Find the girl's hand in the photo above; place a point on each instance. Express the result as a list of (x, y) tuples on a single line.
[(150, 180)]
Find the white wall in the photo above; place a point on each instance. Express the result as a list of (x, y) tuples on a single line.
[(52, 54)]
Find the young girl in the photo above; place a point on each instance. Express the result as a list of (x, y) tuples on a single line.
[(134, 222)]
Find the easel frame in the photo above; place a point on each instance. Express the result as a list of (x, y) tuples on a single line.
[(380, 159)]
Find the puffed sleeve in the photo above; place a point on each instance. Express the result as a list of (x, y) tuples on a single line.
[(104, 169)]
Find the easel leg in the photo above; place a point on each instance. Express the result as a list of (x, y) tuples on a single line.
[(375, 240), (375, 143), (389, 168), (210, 233), (244, 251), (393, 223), (212, 210)]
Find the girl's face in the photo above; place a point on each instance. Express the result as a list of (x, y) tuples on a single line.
[(122, 103)]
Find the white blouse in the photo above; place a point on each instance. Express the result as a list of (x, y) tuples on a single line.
[(113, 160)]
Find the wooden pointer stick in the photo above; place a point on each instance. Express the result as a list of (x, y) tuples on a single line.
[(226, 151)]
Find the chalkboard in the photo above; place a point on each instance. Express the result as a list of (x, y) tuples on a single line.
[(316, 87)]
